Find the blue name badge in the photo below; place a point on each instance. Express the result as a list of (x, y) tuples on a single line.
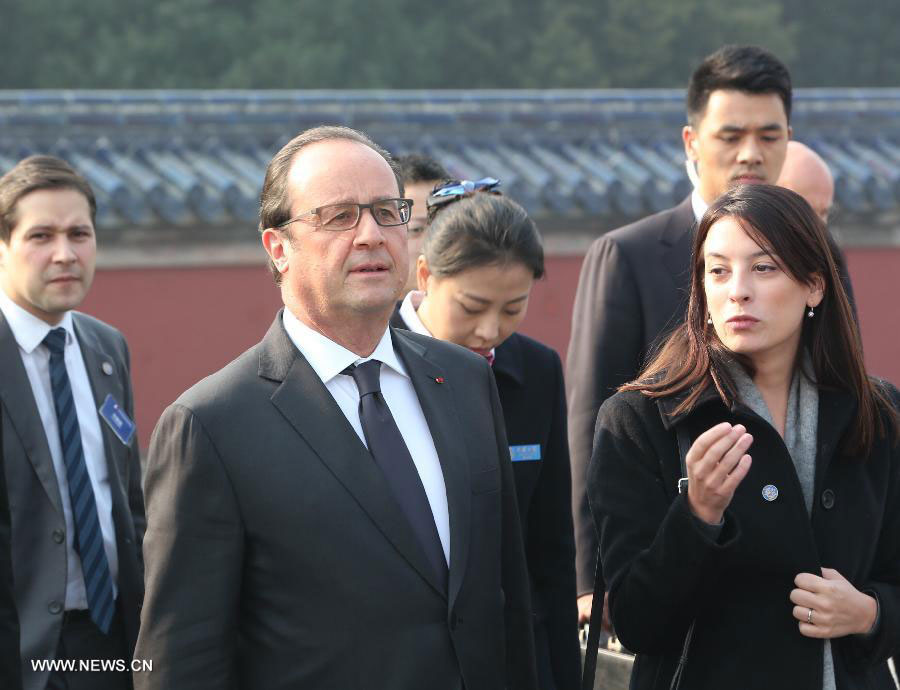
[(525, 453), (117, 420)]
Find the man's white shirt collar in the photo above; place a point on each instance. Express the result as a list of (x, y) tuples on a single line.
[(28, 330), (409, 314), (698, 204), (327, 358)]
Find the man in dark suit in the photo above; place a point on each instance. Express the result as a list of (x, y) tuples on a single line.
[(10, 675), (71, 455), (420, 173), (634, 280), (336, 508)]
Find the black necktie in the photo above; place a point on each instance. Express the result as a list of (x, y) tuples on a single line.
[(88, 537), (391, 455)]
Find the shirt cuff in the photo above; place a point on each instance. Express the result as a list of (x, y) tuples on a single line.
[(710, 531)]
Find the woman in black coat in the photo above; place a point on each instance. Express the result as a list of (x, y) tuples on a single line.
[(481, 256), (777, 564)]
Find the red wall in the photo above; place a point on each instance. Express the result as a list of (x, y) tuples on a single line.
[(185, 323)]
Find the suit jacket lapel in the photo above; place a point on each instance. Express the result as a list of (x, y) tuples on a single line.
[(677, 238), (103, 384), (18, 399), (438, 405), (305, 402), (397, 320)]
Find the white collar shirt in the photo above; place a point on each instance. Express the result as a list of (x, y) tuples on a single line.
[(698, 205), (409, 312), (328, 360), (29, 332)]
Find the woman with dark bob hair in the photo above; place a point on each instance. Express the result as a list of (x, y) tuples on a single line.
[(746, 487), (481, 256)]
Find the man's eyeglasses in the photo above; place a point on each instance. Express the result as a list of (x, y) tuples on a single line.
[(337, 217)]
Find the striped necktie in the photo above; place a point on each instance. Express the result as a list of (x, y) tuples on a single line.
[(88, 536)]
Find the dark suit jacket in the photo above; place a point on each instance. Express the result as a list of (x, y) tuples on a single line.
[(632, 292), (276, 557), (633, 287), (530, 382), (39, 559), (10, 675)]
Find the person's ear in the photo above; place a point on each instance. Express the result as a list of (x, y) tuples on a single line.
[(4, 248), (276, 244), (817, 290), (689, 137), (422, 273)]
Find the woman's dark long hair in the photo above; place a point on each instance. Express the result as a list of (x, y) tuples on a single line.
[(693, 358)]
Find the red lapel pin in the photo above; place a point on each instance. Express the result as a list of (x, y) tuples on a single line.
[(439, 379)]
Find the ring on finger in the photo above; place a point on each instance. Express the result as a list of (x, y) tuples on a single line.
[(809, 617)]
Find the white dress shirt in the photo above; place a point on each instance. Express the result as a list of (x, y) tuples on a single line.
[(698, 204), (29, 332), (408, 312), (328, 360)]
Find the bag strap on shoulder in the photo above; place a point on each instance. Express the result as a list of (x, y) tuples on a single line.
[(593, 641)]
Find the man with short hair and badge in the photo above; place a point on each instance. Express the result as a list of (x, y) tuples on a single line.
[(69, 443)]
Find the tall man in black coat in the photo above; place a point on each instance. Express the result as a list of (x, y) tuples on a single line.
[(335, 508), (634, 280)]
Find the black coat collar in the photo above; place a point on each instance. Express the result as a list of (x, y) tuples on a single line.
[(676, 238), (839, 404), (681, 217), (668, 405), (836, 410), (509, 360)]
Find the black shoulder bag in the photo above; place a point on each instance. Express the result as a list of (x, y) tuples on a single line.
[(593, 641)]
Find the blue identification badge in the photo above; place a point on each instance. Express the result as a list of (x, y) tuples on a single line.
[(525, 453), (118, 421)]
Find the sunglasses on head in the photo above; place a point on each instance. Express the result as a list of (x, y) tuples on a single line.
[(451, 190)]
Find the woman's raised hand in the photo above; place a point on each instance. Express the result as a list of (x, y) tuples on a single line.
[(716, 463)]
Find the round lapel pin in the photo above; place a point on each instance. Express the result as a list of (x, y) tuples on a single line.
[(770, 492), (107, 368)]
